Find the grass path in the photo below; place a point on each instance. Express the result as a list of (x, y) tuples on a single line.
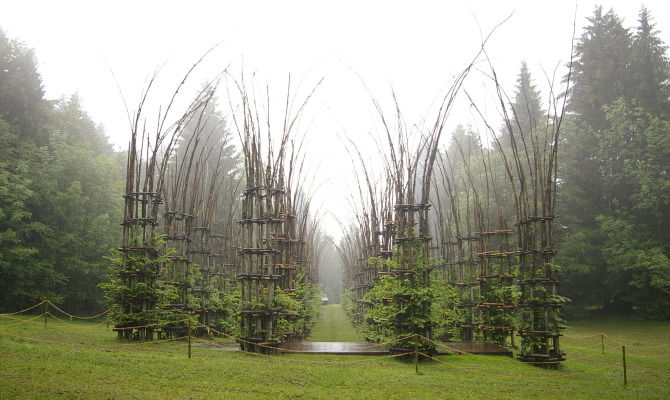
[(333, 326)]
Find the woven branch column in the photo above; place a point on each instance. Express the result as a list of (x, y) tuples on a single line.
[(260, 223)]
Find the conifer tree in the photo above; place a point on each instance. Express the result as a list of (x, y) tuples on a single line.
[(601, 71), (650, 66), (527, 103), (22, 101)]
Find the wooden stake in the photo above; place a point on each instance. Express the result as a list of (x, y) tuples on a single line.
[(46, 312), (625, 374), (602, 342), (416, 353), (189, 338)]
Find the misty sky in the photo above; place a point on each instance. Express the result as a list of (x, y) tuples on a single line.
[(360, 47)]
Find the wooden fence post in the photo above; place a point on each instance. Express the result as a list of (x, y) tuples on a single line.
[(416, 353), (189, 338), (625, 373), (46, 311), (602, 342)]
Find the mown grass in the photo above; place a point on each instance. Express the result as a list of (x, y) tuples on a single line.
[(73, 360), (333, 326)]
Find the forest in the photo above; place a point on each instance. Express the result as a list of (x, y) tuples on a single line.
[(61, 181)]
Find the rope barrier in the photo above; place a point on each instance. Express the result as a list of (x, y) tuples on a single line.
[(49, 302), (199, 339), (140, 343), (71, 324), (572, 346), (237, 339), (648, 347), (74, 316), (505, 359), (648, 370), (32, 320), (22, 321), (609, 366), (59, 319), (612, 339), (382, 357), (522, 375), (281, 349), (612, 347), (303, 361), (452, 365), (26, 309), (19, 318), (590, 342), (266, 356), (447, 346), (110, 345), (581, 336), (581, 358), (578, 337), (150, 325), (647, 356)]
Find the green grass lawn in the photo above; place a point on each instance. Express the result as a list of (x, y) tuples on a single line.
[(333, 326), (72, 360)]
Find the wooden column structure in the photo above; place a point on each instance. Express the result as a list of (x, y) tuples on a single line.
[(258, 278), (412, 241), (140, 268)]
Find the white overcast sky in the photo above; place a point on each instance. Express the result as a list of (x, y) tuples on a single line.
[(414, 47)]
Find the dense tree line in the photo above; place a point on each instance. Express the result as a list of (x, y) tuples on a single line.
[(60, 181), (615, 191)]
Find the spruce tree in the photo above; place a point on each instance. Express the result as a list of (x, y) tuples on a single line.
[(601, 74), (527, 103), (601, 71), (650, 67), (22, 101)]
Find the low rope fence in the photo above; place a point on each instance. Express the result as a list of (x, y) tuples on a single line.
[(591, 342)]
